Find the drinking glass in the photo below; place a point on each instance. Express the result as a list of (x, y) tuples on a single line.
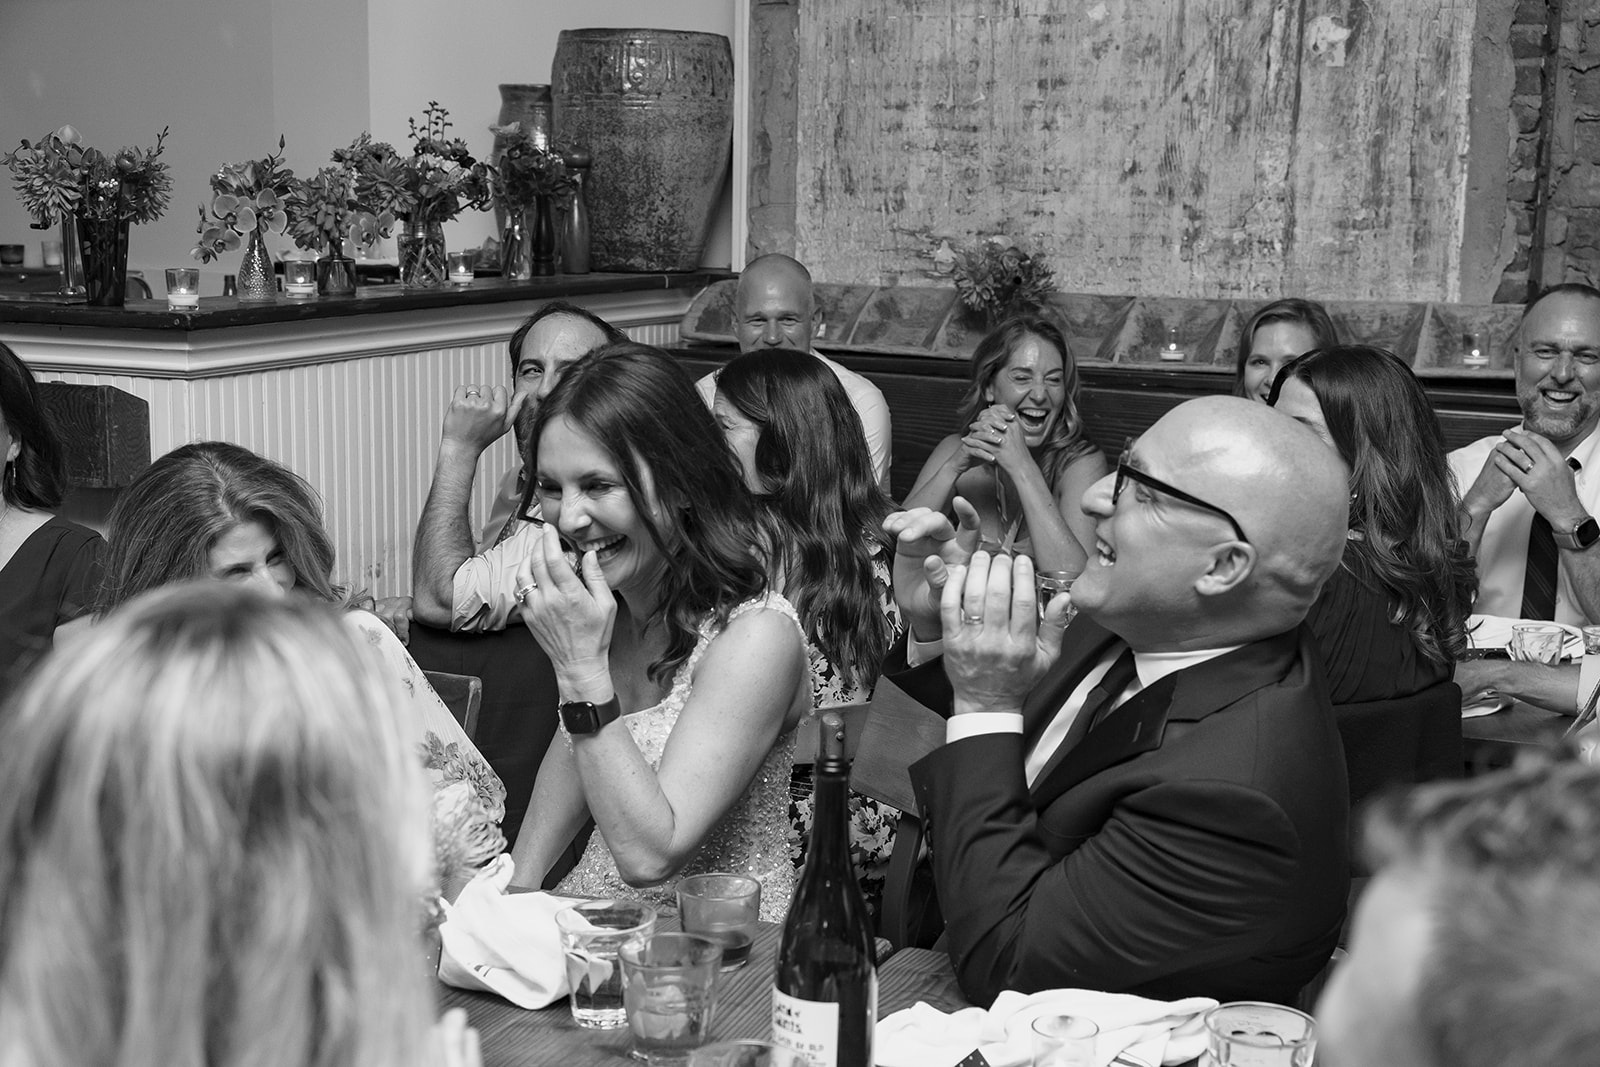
[(1048, 583), (183, 288), (669, 982), (1591, 640), (745, 1054), (723, 907), (1253, 1034), (592, 935), (1064, 1041), (1537, 642)]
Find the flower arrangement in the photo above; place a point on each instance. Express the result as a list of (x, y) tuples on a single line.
[(435, 183), (996, 278), (527, 170), (323, 210), (59, 175), (246, 197)]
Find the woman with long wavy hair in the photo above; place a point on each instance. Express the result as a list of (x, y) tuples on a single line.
[(804, 455), (1023, 459), (218, 510), (678, 749), (216, 845), (1392, 619)]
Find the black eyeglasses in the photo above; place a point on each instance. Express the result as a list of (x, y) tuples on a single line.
[(1126, 470)]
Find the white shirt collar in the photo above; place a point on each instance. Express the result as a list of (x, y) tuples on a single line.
[(1151, 667)]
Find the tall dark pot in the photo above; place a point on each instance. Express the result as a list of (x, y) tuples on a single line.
[(104, 245), (654, 108)]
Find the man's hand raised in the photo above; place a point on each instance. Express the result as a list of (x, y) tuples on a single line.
[(479, 415), (995, 648), (926, 545)]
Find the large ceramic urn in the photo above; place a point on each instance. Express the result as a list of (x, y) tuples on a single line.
[(654, 109)]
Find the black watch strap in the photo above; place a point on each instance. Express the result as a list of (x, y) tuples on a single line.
[(1580, 536), (582, 717)]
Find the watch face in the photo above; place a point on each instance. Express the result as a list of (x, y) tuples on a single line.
[(1587, 533), (579, 717)]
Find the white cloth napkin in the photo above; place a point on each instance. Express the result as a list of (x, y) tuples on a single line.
[(1136, 1029), (504, 943)]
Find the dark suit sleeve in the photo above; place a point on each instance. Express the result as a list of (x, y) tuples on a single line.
[(925, 683), (1180, 871)]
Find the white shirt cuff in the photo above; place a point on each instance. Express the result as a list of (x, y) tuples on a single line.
[(975, 723), (920, 652)]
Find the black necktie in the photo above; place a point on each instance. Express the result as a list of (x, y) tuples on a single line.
[(1098, 703), (1544, 563), (1539, 579)]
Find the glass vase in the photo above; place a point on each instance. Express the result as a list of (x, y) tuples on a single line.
[(336, 276), (71, 257), (516, 248), (422, 259), (104, 247), (544, 236), (255, 280)]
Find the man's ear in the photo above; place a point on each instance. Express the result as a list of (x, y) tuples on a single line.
[(817, 323), (1232, 563)]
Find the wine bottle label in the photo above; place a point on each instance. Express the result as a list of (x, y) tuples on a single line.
[(808, 1027)]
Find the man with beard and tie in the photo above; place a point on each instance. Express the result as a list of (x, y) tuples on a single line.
[(1153, 800)]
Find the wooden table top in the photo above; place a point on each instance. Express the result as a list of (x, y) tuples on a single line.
[(1491, 741), (514, 1037)]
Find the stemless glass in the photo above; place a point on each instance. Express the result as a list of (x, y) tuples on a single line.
[(669, 985), (1253, 1034), (1049, 583), (592, 936), (723, 907), (1064, 1041), (1537, 642)]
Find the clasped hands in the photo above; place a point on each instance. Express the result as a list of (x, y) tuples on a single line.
[(984, 607), (1527, 461), (572, 618), (996, 437)]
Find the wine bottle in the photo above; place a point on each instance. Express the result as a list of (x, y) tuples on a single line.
[(825, 994)]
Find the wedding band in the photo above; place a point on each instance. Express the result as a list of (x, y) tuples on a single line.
[(473, 392), (523, 591), (971, 620)]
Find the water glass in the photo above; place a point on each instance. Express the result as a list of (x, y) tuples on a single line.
[(592, 935), (746, 1054), (1048, 583), (1591, 640), (1253, 1034), (1537, 642), (669, 986), (1064, 1041), (723, 907)]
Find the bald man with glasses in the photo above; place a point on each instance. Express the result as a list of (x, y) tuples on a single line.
[(1153, 800)]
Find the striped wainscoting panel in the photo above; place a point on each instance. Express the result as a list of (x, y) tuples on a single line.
[(362, 431)]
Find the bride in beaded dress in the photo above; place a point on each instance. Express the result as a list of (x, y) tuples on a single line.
[(682, 677)]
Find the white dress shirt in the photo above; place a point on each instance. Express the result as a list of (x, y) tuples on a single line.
[(1149, 668), (1503, 552)]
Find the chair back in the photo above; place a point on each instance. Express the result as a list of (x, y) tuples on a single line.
[(1403, 741), (462, 694), (897, 732)]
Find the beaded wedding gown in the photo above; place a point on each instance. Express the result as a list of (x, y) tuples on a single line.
[(753, 838)]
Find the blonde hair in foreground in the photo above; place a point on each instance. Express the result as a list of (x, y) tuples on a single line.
[(213, 846)]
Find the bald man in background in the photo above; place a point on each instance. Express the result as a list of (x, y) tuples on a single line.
[(775, 307), (1155, 803)]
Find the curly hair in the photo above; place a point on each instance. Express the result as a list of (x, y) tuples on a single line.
[(821, 500), (1068, 439), (164, 525), (1403, 498), (637, 403), (34, 479)]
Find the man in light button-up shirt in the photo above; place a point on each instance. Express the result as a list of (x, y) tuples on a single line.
[(1186, 833)]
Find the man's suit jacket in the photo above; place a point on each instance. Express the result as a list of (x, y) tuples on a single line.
[(1193, 843)]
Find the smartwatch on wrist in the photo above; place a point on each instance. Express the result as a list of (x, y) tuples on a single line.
[(1580, 537), (582, 717)]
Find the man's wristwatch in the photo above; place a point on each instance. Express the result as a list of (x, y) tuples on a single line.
[(1580, 537), (582, 717)]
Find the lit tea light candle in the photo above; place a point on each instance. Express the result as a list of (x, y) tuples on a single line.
[(1173, 351), (460, 268), (183, 288), (1472, 351), (300, 277)]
